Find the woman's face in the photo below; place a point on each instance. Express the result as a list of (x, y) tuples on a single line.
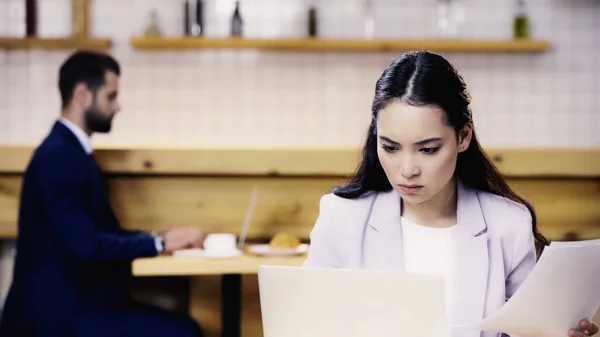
[(417, 150)]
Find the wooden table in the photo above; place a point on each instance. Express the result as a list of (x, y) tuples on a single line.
[(180, 266), (230, 270)]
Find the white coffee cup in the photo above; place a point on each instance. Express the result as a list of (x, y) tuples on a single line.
[(216, 243)]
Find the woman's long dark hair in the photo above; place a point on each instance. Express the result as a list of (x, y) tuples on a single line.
[(424, 78)]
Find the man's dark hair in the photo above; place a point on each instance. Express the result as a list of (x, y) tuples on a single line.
[(84, 66)]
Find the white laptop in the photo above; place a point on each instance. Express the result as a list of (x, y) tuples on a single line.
[(315, 302)]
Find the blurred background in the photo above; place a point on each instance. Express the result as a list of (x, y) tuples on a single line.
[(253, 98), (240, 97)]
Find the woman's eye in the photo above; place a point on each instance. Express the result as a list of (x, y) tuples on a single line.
[(389, 148), (430, 150)]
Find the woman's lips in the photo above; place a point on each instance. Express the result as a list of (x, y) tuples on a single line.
[(410, 189)]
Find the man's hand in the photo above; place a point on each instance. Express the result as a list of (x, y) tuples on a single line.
[(182, 238)]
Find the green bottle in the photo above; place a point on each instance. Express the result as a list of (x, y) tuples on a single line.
[(521, 22), (312, 22)]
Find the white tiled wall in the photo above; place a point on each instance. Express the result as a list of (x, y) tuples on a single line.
[(229, 98)]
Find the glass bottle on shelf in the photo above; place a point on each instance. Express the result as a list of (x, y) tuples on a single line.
[(369, 21), (520, 21), (31, 18), (153, 28), (237, 23), (312, 21), (194, 17), (451, 16)]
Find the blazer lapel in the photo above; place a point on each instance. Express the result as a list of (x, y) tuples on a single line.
[(382, 240), (470, 277), (60, 130)]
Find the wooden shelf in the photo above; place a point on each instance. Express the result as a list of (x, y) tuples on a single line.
[(341, 45), (54, 43)]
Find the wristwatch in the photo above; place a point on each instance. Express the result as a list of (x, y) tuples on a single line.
[(159, 241)]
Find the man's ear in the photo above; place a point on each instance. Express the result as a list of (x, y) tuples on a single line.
[(82, 95)]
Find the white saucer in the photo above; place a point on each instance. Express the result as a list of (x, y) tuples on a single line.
[(266, 250), (201, 253)]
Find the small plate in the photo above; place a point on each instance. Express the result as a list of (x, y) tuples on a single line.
[(266, 250), (201, 253)]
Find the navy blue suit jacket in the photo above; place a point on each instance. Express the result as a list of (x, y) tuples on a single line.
[(73, 258)]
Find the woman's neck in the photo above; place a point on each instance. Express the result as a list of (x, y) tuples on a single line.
[(439, 211)]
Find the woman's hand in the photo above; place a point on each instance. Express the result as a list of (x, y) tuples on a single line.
[(586, 328)]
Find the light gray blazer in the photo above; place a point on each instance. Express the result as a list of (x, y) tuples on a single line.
[(494, 253)]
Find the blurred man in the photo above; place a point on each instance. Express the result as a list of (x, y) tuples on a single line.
[(73, 257)]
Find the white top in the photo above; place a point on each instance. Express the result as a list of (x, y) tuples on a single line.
[(84, 139), (428, 250)]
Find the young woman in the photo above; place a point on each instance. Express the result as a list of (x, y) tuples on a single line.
[(427, 199)]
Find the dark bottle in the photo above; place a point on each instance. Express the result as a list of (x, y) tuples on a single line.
[(194, 17), (237, 23), (520, 21), (31, 17), (312, 21)]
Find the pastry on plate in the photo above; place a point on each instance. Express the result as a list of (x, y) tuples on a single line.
[(284, 241)]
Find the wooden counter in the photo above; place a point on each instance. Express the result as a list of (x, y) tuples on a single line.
[(311, 162), (153, 187)]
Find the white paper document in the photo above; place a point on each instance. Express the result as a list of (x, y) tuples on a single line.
[(562, 289)]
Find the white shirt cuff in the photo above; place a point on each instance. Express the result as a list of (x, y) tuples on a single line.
[(158, 244)]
